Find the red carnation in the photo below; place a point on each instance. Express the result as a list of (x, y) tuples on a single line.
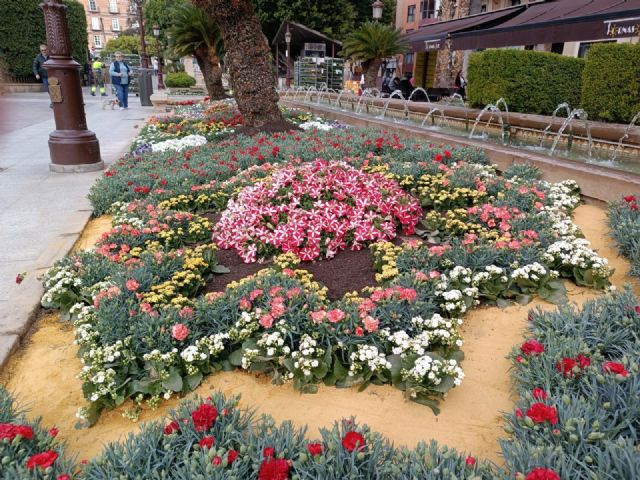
[(172, 428), (532, 347), (216, 460), (207, 441), (566, 366), (11, 431), (274, 469), (353, 440), (204, 416), (615, 367), (539, 394), (583, 361), (630, 198), (470, 461), (540, 413), (53, 432), (43, 460), (437, 158), (540, 473), (231, 456), (268, 452), (637, 309), (314, 449), (64, 476)]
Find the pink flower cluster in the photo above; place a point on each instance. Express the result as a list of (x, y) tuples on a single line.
[(315, 209)]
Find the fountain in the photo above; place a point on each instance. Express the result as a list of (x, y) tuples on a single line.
[(342, 92), (581, 115), (634, 120), (395, 93), (310, 90), (494, 109), (323, 90), (367, 93), (430, 114), (562, 106), (457, 96)]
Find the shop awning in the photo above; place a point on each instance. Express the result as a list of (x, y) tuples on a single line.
[(433, 36), (558, 21), (301, 34)]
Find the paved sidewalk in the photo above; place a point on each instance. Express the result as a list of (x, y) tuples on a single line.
[(42, 213)]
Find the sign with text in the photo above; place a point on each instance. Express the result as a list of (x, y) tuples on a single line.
[(433, 44), (626, 27)]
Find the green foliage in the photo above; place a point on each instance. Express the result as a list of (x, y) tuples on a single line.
[(129, 44), (22, 31), (193, 31), (373, 40), (531, 82), (624, 223), (179, 80), (611, 82)]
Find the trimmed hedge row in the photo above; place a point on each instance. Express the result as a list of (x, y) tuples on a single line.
[(22, 31), (606, 84), (179, 80), (532, 82)]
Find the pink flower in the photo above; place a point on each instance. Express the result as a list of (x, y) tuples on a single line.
[(408, 294), (370, 324), (132, 285), (421, 277), (318, 316), (359, 332), (244, 304), (255, 294), (179, 331), (335, 315), (266, 320)]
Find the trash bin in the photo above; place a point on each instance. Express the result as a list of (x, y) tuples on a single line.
[(145, 86)]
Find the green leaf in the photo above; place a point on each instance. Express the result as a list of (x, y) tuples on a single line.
[(236, 357), (173, 382), (193, 380), (220, 269)]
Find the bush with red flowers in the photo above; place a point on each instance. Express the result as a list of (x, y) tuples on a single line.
[(624, 225)]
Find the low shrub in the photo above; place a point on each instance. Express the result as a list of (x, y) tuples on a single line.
[(611, 82), (179, 80), (530, 82), (624, 225)]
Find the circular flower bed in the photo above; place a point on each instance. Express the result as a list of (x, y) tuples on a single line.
[(315, 210)]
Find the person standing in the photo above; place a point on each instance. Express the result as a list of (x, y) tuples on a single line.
[(98, 79), (119, 72), (38, 68), (461, 85)]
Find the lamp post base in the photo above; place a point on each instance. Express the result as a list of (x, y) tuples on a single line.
[(87, 167), (74, 151)]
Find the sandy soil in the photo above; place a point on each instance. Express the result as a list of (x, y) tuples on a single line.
[(42, 376)]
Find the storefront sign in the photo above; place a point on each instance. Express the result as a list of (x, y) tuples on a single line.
[(432, 44), (626, 27)]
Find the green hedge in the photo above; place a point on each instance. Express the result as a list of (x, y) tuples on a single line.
[(179, 80), (22, 31), (611, 82), (532, 82)]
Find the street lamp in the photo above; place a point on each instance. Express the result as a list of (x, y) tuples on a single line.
[(144, 76), (156, 33), (377, 7), (287, 38)]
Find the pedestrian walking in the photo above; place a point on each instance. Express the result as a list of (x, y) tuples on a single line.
[(98, 78), (38, 68), (461, 85), (119, 72), (155, 64)]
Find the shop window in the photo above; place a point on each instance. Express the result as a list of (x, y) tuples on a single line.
[(557, 48)]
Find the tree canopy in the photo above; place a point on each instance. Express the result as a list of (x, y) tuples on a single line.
[(129, 44)]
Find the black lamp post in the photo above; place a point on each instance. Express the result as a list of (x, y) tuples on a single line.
[(287, 38), (156, 33), (377, 7)]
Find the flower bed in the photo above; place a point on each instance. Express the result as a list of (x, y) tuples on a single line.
[(624, 222)]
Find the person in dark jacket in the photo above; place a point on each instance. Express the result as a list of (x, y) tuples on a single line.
[(405, 85), (461, 85), (38, 68), (119, 72)]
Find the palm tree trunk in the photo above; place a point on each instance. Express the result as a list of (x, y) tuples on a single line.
[(211, 72), (249, 59), (371, 73)]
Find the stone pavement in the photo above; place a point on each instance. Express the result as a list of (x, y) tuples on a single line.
[(42, 213)]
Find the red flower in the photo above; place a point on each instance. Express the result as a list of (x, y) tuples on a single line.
[(614, 367), (20, 278), (268, 452), (437, 158), (540, 413), (532, 347), (540, 473), (231, 456), (539, 394), (566, 366), (172, 428), (53, 432), (207, 441), (11, 431), (637, 309), (353, 440), (43, 460), (204, 416), (583, 361), (519, 413), (63, 476), (314, 449), (274, 469), (470, 461), (630, 198), (216, 460)]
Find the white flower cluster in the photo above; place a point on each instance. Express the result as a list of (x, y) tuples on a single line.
[(86, 316), (431, 371), (317, 124), (533, 271), (433, 332), (179, 144), (491, 272), (575, 252), (563, 195), (159, 357), (122, 215), (248, 355), (95, 372), (455, 299), (273, 344), (57, 281), (307, 356), (367, 356), (245, 326)]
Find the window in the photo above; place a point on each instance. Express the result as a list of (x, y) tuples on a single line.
[(585, 46), (557, 48), (428, 9), (483, 7), (113, 6), (411, 13), (92, 6), (115, 24), (95, 23), (408, 58), (97, 41)]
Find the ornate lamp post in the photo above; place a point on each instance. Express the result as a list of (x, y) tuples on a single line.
[(287, 38), (156, 33), (72, 147), (377, 7)]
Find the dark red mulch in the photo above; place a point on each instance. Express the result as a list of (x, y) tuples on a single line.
[(348, 271)]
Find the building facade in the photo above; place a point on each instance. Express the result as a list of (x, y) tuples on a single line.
[(106, 19)]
